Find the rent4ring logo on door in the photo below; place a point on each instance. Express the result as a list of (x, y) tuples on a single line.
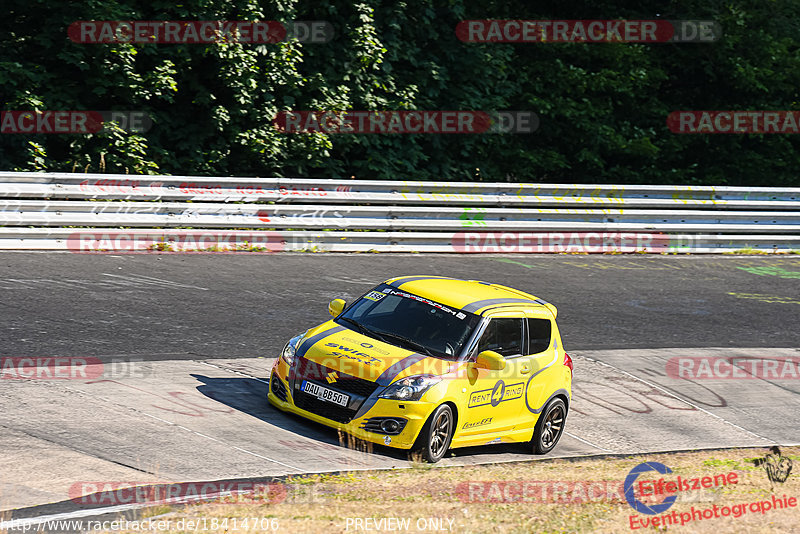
[(499, 393)]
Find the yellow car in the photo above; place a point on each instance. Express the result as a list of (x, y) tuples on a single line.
[(429, 363)]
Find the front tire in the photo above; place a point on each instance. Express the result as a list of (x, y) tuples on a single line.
[(550, 426), (434, 438)]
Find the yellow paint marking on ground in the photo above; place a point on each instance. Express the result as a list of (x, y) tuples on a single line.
[(765, 298)]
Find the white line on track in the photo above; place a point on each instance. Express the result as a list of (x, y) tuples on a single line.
[(234, 371), (190, 430), (573, 436), (142, 279), (223, 443)]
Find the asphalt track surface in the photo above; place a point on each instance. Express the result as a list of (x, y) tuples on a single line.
[(159, 306), (199, 332)]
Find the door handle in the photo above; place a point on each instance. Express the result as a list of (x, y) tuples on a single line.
[(525, 370)]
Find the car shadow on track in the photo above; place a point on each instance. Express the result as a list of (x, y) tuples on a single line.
[(249, 395)]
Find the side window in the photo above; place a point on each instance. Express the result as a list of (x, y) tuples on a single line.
[(503, 336), (539, 332)]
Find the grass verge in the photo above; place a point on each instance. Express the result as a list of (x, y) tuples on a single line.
[(474, 499)]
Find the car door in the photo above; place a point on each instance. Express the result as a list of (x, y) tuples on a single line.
[(496, 397), (542, 355)]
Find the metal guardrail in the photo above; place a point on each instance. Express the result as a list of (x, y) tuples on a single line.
[(50, 211)]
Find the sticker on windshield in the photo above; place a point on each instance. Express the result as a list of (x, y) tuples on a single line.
[(460, 315), (374, 295)]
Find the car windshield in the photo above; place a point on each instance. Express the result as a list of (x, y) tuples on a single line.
[(410, 321)]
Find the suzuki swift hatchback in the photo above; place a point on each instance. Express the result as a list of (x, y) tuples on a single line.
[(428, 363)]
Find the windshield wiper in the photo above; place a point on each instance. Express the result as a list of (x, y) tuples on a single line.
[(363, 329), (411, 342)]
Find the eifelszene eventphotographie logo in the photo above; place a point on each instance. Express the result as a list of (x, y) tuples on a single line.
[(630, 494)]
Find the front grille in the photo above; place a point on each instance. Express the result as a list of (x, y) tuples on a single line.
[(277, 387), (328, 410), (357, 388), (345, 383)]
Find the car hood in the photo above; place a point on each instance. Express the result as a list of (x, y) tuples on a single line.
[(352, 353)]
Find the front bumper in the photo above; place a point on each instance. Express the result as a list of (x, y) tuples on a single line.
[(414, 413)]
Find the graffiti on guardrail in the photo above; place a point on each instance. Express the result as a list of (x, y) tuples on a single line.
[(473, 217), (250, 190), (223, 190), (275, 215), (320, 217)]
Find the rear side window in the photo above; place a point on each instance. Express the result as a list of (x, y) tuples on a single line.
[(539, 333), (503, 336)]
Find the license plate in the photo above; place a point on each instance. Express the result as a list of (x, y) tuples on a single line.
[(325, 394)]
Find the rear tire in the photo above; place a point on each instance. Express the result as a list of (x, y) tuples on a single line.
[(434, 438), (550, 426)]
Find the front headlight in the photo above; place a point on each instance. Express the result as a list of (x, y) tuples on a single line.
[(291, 348), (410, 388)]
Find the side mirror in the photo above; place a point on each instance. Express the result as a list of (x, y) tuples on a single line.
[(487, 359), (491, 360), (336, 306)]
